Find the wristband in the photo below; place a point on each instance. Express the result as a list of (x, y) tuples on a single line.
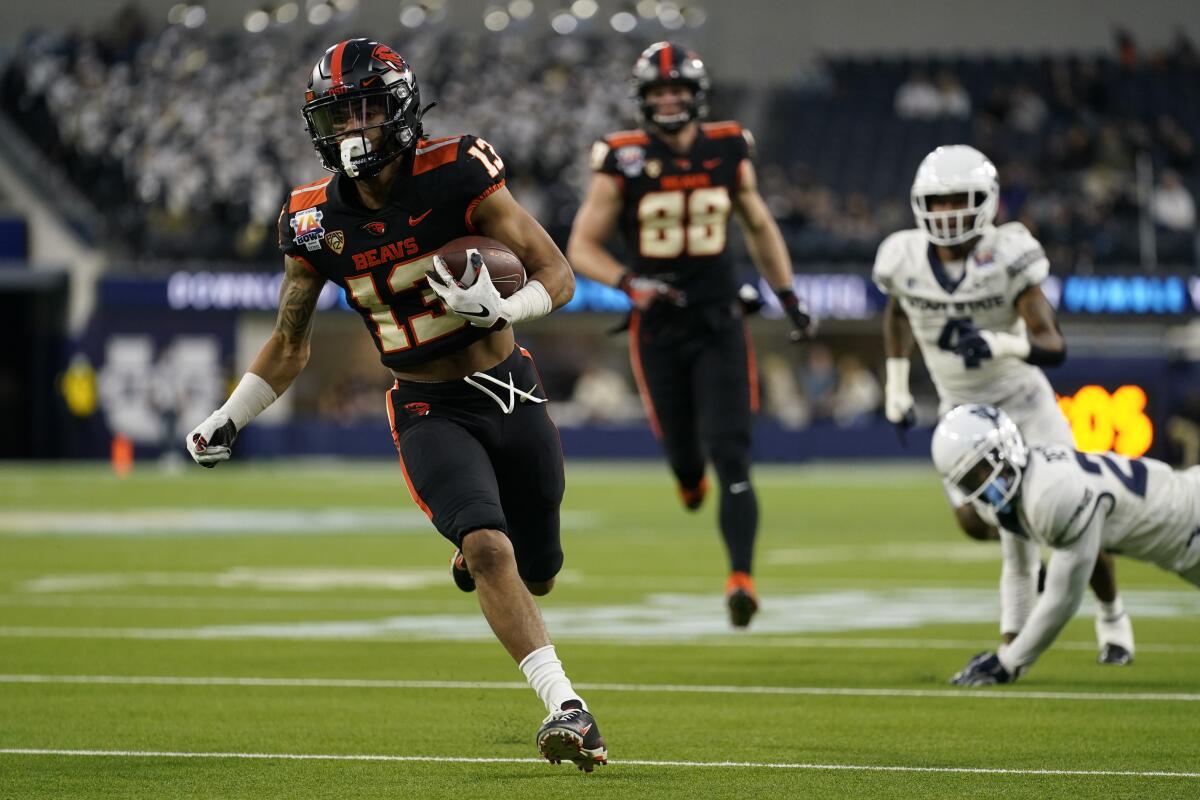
[(531, 301), (249, 399)]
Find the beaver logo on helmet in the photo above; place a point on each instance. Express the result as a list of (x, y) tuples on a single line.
[(362, 107)]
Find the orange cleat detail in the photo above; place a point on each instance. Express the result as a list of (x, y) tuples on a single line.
[(741, 598), (693, 497)]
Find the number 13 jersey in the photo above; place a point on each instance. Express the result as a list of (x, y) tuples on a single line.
[(1005, 262), (380, 257), (676, 206)]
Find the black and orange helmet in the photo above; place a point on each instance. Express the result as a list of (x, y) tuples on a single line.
[(664, 63), (360, 86)]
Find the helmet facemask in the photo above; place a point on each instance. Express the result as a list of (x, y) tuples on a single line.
[(955, 172), (691, 109), (358, 133), (953, 226), (990, 479), (666, 64)]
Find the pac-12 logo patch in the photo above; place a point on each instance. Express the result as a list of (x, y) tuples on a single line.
[(306, 225), (336, 241)]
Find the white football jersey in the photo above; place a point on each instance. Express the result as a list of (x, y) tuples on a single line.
[(1005, 262), (1151, 511)]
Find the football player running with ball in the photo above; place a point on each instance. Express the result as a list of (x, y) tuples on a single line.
[(478, 451), (670, 188), (1077, 504), (969, 293)]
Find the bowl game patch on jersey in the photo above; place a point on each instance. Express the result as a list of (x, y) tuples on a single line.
[(306, 225)]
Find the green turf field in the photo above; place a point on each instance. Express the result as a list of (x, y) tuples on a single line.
[(272, 631)]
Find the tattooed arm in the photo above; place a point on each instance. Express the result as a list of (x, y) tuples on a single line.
[(284, 355)]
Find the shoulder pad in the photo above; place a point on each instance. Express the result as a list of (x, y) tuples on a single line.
[(1017, 250), (1058, 502), (720, 130), (626, 138), (309, 195), (433, 153), (890, 255)]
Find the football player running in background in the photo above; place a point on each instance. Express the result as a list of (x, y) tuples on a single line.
[(478, 451), (1077, 504), (969, 293), (670, 188)]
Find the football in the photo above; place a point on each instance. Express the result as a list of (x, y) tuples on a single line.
[(507, 271)]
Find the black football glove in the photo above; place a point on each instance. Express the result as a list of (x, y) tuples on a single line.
[(984, 669), (972, 347), (804, 324)]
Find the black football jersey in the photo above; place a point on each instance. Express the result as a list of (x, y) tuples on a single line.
[(675, 215), (380, 257)]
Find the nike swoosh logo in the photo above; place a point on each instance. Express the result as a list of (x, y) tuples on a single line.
[(711, 163), (482, 312), (738, 488), (415, 221)]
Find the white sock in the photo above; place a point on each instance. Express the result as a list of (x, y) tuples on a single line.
[(1110, 611), (545, 674)]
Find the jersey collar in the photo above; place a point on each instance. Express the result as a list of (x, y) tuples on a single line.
[(939, 271)]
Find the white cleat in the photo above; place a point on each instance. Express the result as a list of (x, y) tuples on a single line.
[(1115, 638)]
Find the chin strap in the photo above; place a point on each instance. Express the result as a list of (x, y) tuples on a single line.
[(514, 394)]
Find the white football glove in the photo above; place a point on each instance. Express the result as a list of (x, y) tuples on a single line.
[(897, 399), (211, 440), (477, 303)]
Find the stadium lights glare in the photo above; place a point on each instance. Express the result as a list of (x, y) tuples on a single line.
[(520, 9), (194, 17), (287, 13), (623, 22), (647, 9), (257, 21), (694, 16), (564, 23), (669, 16), (584, 9), (345, 6), (320, 14), (412, 16), (176, 14), (495, 19)]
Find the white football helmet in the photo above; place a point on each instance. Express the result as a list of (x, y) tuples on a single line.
[(981, 456), (955, 169)]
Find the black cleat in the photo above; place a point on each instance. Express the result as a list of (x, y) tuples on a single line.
[(460, 573), (1115, 655), (571, 734), (741, 599), (693, 496)]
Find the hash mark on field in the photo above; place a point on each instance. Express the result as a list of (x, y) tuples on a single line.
[(652, 688), (18, 751)]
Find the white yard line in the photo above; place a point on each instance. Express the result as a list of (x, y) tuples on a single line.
[(20, 751), (739, 641), (649, 688)]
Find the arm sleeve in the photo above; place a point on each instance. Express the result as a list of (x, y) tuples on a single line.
[(1066, 580), (1018, 581)]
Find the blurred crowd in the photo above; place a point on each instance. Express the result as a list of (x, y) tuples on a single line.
[(187, 140), (1097, 156)]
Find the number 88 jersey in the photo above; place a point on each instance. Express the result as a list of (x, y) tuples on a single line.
[(675, 214)]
